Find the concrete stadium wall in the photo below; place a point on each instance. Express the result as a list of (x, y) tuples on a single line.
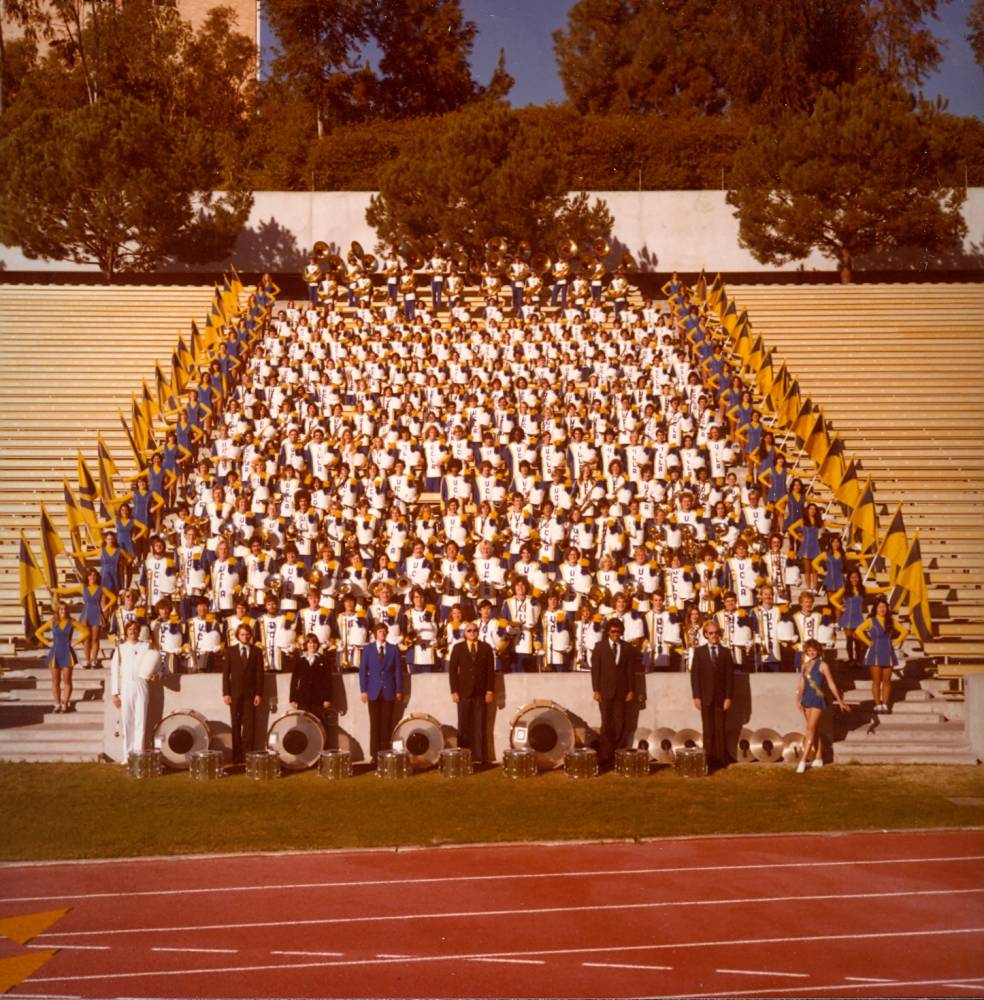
[(664, 700), (974, 708), (664, 230)]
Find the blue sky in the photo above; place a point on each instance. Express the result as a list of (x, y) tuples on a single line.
[(524, 30)]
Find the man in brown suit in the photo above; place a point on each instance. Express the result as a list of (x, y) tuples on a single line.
[(613, 664), (472, 677)]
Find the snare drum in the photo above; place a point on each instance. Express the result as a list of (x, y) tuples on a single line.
[(262, 765), (690, 762), (335, 764), (393, 764), (581, 763), (519, 763), (456, 762), (206, 765), (145, 763), (632, 762)]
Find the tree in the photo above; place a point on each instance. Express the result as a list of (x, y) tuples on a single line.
[(975, 22), (869, 170), (482, 174), (424, 50), (318, 44), (114, 184), (685, 57)]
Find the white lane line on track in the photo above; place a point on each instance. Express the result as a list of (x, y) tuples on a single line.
[(866, 979), (315, 954), (73, 947), (388, 954), (202, 951), (964, 986), (549, 952), (828, 988), (511, 961), (758, 972), (626, 965), (460, 914), (519, 876)]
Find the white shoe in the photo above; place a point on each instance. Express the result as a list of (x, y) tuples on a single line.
[(59, 708), (801, 767), (817, 762)]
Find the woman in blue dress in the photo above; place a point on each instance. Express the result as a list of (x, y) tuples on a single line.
[(64, 631), (96, 600), (809, 543), (852, 616), (882, 635), (795, 507), (832, 563), (815, 681)]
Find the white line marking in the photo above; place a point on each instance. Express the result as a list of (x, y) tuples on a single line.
[(519, 876), (460, 914), (626, 965), (755, 972), (964, 986), (832, 988), (521, 954), (511, 961), (317, 954), (866, 979), (74, 947), (386, 954), (203, 951)]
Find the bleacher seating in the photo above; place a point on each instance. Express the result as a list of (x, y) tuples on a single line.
[(70, 356), (898, 371)]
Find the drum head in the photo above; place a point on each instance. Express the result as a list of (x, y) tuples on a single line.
[(297, 738), (422, 738), (546, 729), (179, 735)]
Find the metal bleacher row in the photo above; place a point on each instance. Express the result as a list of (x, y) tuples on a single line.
[(899, 373)]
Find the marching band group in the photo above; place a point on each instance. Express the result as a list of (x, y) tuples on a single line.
[(537, 473)]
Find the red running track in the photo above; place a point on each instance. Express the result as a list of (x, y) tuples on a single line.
[(872, 914)]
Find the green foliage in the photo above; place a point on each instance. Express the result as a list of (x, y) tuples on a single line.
[(975, 24), (702, 57), (866, 172), (317, 56), (113, 184), (424, 50), (485, 173)]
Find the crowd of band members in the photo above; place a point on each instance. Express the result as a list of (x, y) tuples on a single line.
[(538, 474)]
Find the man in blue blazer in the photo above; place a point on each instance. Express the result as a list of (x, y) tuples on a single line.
[(381, 684)]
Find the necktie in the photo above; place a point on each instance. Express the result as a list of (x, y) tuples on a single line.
[(380, 652), (714, 654), (471, 648)]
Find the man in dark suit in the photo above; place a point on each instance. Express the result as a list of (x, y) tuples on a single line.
[(613, 664), (472, 676), (242, 689), (712, 681), (381, 684)]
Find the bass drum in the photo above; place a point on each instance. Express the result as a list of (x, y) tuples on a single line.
[(181, 734), (297, 738), (422, 738), (545, 728)]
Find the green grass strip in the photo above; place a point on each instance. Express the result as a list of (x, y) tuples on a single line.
[(55, 811)]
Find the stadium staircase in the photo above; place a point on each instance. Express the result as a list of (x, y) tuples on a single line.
[(899, 373), (70, 357)]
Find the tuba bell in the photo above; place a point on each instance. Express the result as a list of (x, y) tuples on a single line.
[(567, 249)]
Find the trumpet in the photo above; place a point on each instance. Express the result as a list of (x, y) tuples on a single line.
[(403, 585), (274, 583)]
